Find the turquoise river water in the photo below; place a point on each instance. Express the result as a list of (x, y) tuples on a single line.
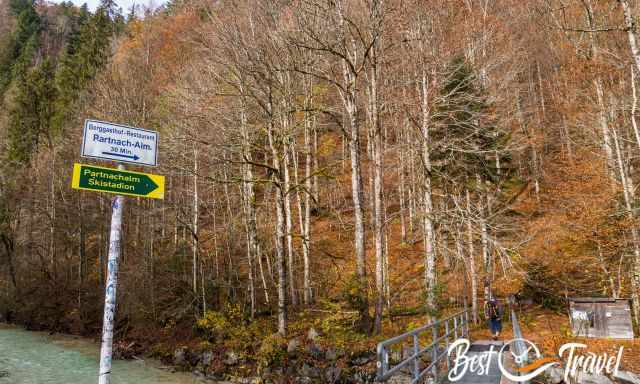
[(37, 358)]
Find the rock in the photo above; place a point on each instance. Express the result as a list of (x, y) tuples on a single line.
[(231, 358), (194, 358), (180, 356), (331, 354), (585, 378), (313, 334), (197, 373), (315, 351), (362, 360), (364, 377), (207, 358), (4, 374), (400, 379), (310, 371), (555, 375), (293, 346), (627, 377), (242, 380), (332, 374)]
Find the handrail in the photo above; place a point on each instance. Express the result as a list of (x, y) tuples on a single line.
[(519, 346), (456, 325)]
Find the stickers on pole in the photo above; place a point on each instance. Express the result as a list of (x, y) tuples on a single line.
[(101, 179), (121, 143)]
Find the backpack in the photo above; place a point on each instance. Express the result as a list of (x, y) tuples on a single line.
[(492, 309)]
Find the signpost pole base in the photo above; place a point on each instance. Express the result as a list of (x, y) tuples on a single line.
[(115, 244)]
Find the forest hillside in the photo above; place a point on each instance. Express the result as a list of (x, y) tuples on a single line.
[(356, 167)]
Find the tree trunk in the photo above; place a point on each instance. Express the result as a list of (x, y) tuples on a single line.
[(635, 238), (630, 26), (249, 205), (289, 223), (378, 212), (429, 235), (278, 178), (194, 243), (472, 262)]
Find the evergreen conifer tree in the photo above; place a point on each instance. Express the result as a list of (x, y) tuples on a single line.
[(30, 118), (469, 139), (22, 43)]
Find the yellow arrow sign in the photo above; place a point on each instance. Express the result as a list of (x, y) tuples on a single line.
[(100, 179)]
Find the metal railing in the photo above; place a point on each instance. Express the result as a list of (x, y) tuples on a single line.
[(519, 346), (440, 331)]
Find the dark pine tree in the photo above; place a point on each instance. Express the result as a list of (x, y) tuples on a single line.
[(31, 116)]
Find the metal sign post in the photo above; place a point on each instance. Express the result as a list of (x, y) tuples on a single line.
[(115, 241), (124, 144)]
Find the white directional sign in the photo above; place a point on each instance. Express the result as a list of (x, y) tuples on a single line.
[(120, 143)]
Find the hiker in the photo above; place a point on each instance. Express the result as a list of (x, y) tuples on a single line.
[(493, 312)]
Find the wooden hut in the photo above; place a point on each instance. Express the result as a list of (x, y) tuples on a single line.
[(601, 317)]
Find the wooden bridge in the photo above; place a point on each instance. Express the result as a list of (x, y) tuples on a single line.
[(422, 355)]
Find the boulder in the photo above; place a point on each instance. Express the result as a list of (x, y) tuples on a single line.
[(332, 354), (194, 358), (293, 346), (207, 358), (362, 359), (198, 374), (180, 356), (400, 379), (364, 377), (627, 377), (315, 351), (332, 374), (231, 358), (310, 371), (585, 378), (555, 375), (313, 334)]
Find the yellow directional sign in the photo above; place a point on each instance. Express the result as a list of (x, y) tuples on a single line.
[(100, 179)]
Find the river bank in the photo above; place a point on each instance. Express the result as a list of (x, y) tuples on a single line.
[(28, 357), (304, 358)]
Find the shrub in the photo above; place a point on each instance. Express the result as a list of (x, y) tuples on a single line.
[(273, 351), (213, 326)]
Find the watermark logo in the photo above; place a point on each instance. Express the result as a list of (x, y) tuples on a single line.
[(528, 361), (529, 371)]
